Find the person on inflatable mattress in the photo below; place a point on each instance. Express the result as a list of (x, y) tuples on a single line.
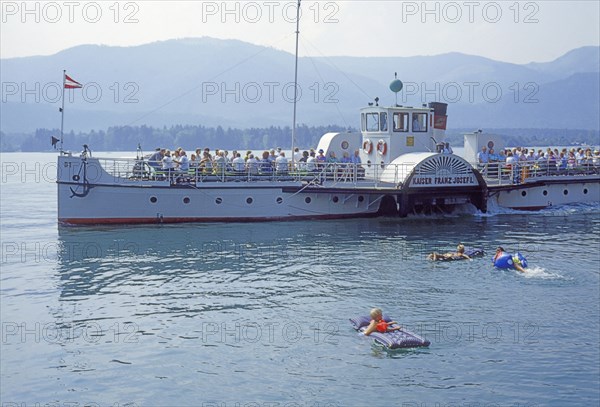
[(378, 324), (459, 255)]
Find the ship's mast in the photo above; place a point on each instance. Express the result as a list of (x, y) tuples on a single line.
[(295, 82), (62, 110)]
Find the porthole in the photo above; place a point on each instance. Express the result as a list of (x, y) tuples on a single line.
[(345, 145), (524, 193), (186, 200), (361, 198), (545, 193), (335, 199), (153, 199), (219, 201), (280, 200), (249, 201), (307, 200), (585, 191), (566, 192)]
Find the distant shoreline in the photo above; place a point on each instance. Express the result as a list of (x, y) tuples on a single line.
[(127, 138)]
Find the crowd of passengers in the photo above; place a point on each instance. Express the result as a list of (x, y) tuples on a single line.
[(269, 162), (551, 161)]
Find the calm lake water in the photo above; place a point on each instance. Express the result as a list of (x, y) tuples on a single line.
[(257, 314)]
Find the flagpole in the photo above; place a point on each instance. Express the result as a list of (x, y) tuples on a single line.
[(295, 84), (62, 110)]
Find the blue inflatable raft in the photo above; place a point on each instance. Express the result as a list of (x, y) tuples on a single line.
[(507, 261), (391, 340)]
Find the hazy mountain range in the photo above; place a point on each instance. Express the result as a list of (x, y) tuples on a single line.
[(236, 84)]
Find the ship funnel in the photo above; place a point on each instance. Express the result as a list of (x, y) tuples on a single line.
[(439, 112)]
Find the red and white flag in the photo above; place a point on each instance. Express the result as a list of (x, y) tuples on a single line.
[(70, 83)]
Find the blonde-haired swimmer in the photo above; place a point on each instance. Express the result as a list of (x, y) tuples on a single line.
[(458, 255), (378, 324)]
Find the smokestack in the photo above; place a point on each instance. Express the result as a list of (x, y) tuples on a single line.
[(439, 115)]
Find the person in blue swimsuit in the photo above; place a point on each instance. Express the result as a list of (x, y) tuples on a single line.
[(516, 261)]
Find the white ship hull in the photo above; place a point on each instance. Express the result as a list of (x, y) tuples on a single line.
[(106, 199), (111, 205), (548, 192)]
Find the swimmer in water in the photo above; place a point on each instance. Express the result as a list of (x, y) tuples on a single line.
[(458, 255), (516, 262), (378, 324)]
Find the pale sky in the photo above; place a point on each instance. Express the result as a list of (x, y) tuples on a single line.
[(511, 31)]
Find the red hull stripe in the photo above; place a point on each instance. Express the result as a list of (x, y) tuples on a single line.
[(529, 208), (134, 221)]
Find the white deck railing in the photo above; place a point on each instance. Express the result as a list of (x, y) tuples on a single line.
[(341, 174), (525, 171)]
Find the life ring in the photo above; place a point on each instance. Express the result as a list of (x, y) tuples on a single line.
[(381, 147), (367, 146)]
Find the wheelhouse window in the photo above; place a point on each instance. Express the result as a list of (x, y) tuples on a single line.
[(383, 121), (372, 121), (419, 122), (400, 122), (362, 122)]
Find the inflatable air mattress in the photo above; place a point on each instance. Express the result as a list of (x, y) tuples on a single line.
[(391, 340), (474, 251), (469, 251)]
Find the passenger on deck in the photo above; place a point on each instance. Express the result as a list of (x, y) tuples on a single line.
[(252, 165), (281, 164), (220, 163), (297, 154), (311, 162), (301, 163), (524, 155), (167, 162), (206, 164), (562, 162), (194, 161), (502, 156), (458, 255), (377, 323), (447, 149), (346, 158), (587, 160), (155, 160), (483, 157), (332, 159), (356, 157), (238, 163), (552, 162), (571, 160), (266, 166), (183, 163), (272, 157), (542, 163), (321, 159)]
